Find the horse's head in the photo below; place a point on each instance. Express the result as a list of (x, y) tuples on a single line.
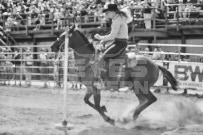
[(79, 42)]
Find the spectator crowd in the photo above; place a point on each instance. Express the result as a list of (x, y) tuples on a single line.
[(40, 12)]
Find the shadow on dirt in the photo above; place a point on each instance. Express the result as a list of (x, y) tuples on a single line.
[(120, 131)]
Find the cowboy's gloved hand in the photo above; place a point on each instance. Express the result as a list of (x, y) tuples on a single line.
[(97, 36)]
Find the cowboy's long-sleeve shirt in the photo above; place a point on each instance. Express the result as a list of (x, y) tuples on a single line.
[(119, 29)]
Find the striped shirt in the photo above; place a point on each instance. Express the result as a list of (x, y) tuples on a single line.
[(119, 29)]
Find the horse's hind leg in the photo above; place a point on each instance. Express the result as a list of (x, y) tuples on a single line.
[(145, 100)]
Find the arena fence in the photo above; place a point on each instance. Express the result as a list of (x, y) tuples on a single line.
[(186, 67), (31, 68), (27, 65)]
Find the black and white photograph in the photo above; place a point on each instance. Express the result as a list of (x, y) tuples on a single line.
[(101, 67)]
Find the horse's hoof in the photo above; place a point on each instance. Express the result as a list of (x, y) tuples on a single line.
[(103, 108), (112, 122), (135, 118)]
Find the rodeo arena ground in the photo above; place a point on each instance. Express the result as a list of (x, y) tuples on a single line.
[(53, 80)]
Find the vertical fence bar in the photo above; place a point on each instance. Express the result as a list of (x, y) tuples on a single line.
[(21, 66)]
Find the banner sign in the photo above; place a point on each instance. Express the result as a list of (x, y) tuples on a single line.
[(189, 75)]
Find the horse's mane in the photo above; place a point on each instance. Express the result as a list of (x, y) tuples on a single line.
[(90, 45)]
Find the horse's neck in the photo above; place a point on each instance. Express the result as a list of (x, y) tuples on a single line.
[(84, 58)]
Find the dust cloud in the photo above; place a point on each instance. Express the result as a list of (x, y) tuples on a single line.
[(168, 112)]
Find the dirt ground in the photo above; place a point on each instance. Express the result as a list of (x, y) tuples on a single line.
[(35, 111)]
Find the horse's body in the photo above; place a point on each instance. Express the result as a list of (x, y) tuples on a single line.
[(140, 77)]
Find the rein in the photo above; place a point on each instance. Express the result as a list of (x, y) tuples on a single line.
[(92, 58)]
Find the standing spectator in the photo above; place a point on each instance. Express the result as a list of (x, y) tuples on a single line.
[(9, 66), (58, 70), (2, 64), (147, 54), (176, 56), (42, 18), (57, 19), (201, 58), (18, 8), (186, 58), (9, 23), (28, 58), (29, 20), (156, 55), (147, 14), (162, 55), (68, 15), (16, 62), (1, 17), (37, 22), (43, 67), (2, 59), (168, 57)]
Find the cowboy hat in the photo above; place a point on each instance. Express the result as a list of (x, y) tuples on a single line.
[(111, 7)]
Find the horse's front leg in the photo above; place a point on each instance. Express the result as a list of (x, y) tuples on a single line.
[(97, 97)]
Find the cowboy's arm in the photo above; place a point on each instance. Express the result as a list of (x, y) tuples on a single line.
[(114, 30)]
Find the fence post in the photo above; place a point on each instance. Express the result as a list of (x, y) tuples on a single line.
[(21, 66), (65, 125)]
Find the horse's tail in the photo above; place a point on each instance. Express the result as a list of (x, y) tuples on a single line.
[(169, 77)]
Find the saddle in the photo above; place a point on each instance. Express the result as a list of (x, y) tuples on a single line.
[(129, 58), (113, 71)]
